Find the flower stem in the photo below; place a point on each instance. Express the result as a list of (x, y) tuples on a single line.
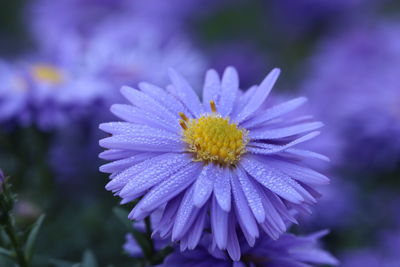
[(10, 230)]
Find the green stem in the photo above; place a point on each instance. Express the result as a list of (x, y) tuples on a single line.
[(10, 230), (149, 231)]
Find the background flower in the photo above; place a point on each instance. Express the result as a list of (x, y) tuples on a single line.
[(289, 250)]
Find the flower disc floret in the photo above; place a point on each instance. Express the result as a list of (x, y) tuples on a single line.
[(213, 138)]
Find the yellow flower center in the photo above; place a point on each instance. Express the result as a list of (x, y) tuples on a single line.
[(47, 74), (212, 138)]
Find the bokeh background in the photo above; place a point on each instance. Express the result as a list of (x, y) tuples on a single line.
[(62, 64)]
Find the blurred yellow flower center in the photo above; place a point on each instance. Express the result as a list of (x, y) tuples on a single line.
[(47, 74), (213, 138)]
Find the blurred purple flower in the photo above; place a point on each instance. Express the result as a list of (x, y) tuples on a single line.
[(384, 254), (354, 85), (298, 17), (171, 151), (336, 208), (48, 92), (13, 95), (126, 50), (288, 251)]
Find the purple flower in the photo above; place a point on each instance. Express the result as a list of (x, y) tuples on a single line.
[(384, 254), (124, 58), (226, 161), (288, 251), (48, 91), (359, 106), (13, 95)]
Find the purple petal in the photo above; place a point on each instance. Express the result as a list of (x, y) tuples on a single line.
[(165, 191), (222, 188), (211, 90), (145, 143), (187, 213), (157, 173), (233, 246), (263, 148), (132, 114), (219, 224), (186, 93), (252, 196), (243, 213), (127, 128), (259, 95), (197, 230), (144, 102), (122, 164), (274, 112), (204, 185), (284, 131), (272, 180), (300, 173), (164, 98), (115, 154), (122, 178), (229, 90)]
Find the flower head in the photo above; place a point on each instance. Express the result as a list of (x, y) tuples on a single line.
[(361, 108), (288, 251), (225, 162)]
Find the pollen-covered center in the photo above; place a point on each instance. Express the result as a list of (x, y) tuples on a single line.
[(213, 138), (47, 74)]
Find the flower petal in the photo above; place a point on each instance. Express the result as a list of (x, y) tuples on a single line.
[(265, 148), (204, 185), (229, 90), (122, 164), (132, 114), (115, 154), (185, 216), (186, 93), (233, 246), (271, 179), (211, 90), (197, 231), (144, 142), (252, 196), (127, 128), (145, 102), (123, 178), (159, 172), (282, 132), (222, 188), (166, 190), (219, 224), (243, 213), (163, 97), (259, 96), (274, 112), (300, 173)]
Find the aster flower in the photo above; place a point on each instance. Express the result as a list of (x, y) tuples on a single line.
[(124, 58), (48, 91), (361, 108), (288, 251), (13, 95), (225, 162)]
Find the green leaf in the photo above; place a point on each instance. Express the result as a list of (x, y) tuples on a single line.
[(30, 241), (61, 263), (122, 215), (89, 259), (6, 252)]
